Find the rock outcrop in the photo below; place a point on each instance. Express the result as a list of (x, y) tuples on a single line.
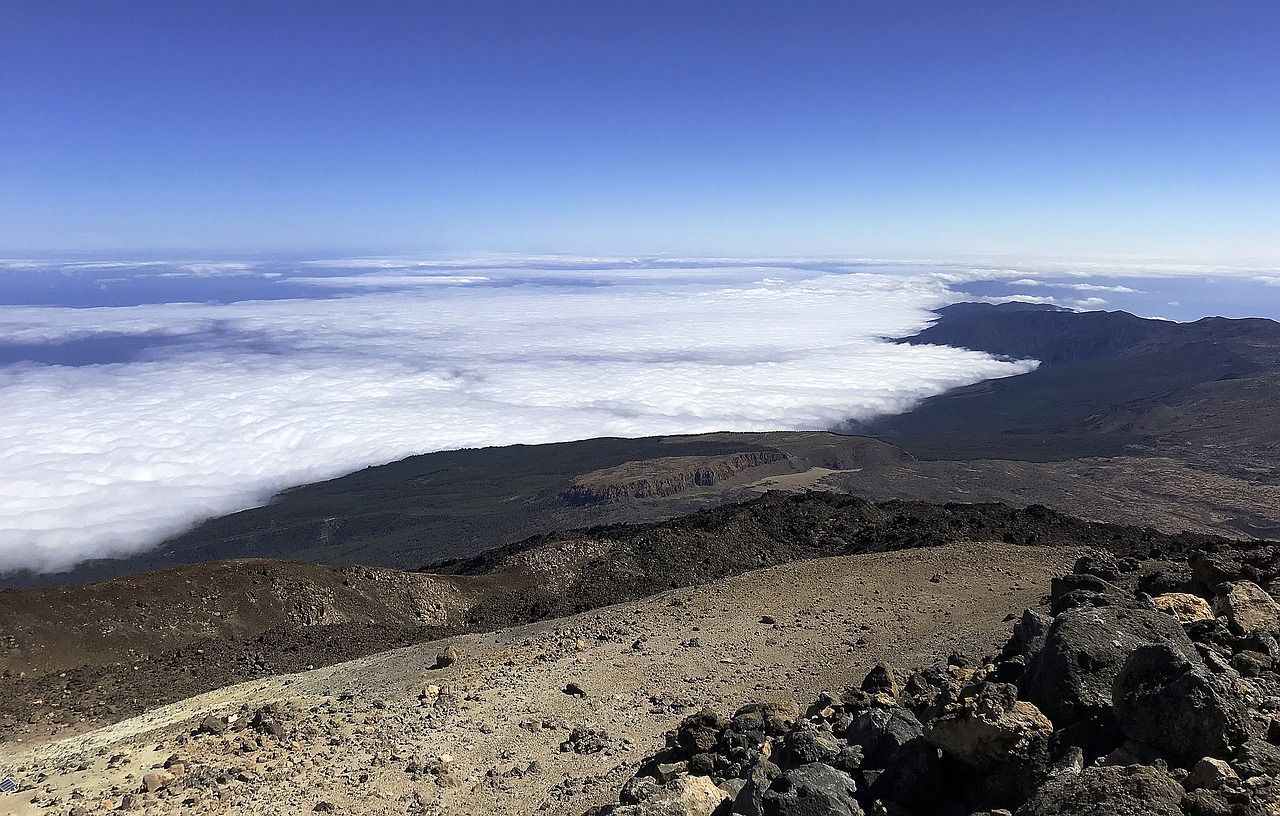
[(662, 477)]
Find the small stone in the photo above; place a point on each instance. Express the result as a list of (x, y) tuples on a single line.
[(156, 780), (1209, 773), (451, 654)]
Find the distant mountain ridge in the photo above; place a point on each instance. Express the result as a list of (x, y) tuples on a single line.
[(1097, 366)]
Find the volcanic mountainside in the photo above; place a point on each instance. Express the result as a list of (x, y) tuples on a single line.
[(104, 651)]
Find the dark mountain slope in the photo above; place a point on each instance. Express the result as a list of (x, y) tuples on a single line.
[(1096, 366), (1046, 333), (457, 503)]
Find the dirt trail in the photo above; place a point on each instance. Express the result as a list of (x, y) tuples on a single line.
[(488, 734)]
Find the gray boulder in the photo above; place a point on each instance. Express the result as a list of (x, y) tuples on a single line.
[(1072, 675), (1257, 758), (990, 728), (1177, 706), (881, 732), (812, 790), (1136, 790), (807, 743), (1248, 609), (682, 796)]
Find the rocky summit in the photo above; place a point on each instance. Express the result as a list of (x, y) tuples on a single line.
[(1142, 687)]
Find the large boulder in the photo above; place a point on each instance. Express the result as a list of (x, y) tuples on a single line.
[(1071, 677), (1135, 790), (807, 743), (990, 728), (881, 732), (1248, 609), (1177, 706), (1004, 739), (812, 790), (916, 777), (1257, 757), (1210, 569)]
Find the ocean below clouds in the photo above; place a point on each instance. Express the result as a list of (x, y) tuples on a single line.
[(141, 398)]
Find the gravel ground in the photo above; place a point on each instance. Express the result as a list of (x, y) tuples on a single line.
[(496, 732)]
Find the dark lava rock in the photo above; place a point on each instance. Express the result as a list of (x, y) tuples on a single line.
[(881, 732), (1159, 577), (700, 732), (1060, 587), (1176, 706), (1029, 634), (1103, 565), (880, 680), (1256, 758), (1136, 790), (1072, 675), (807, 743), (1094, 736), (1210, 569), (759, 779), (915, 777), (812, 790)]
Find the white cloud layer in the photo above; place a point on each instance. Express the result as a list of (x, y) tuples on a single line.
[(247, 398)]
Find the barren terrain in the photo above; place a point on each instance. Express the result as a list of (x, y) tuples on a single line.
[(496, 731)]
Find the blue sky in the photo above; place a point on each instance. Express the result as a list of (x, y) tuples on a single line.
[(891, 128)]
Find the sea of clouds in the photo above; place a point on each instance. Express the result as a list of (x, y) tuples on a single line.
[(126, 423)]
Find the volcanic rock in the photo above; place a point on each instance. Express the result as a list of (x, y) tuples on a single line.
[(1071, 677), (1248, 609), (1136, 790), (881, 732), (682, 796), (1209, 772), (810, 790), (990, 728), (1183, 606), (1176, 706)]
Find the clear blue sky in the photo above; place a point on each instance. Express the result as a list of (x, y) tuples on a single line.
[(886, 127)]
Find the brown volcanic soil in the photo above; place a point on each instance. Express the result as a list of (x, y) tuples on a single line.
[(65, 627), (352, 730), (80, 657)]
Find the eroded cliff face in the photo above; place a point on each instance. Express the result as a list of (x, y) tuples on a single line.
[(667, 476)]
